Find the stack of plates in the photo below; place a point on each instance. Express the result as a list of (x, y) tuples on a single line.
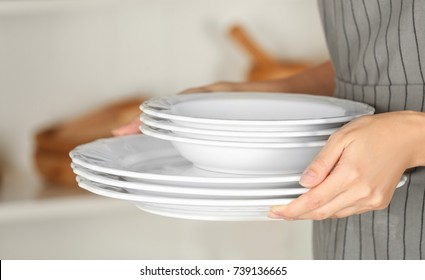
[(151, 173), (226, 167), (248, 133)]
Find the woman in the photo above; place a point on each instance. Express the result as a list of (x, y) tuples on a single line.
[(378, 57)]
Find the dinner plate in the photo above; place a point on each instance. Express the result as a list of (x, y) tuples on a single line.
[(241, 110), (137, 186), (259, 215), (197, 209), (202, 208), (119, 193), (247, 213), (157, 161)]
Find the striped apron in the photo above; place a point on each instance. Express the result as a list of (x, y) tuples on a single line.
[(377, 48)]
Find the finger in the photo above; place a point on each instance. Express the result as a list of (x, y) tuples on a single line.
[(130, 128), (343, 205), (220, 86), (348, 211), (374, 203), (323, 163), (195, 90), (354, 199), (314, 198)]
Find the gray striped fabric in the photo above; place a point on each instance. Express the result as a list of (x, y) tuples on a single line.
[(378, 52)]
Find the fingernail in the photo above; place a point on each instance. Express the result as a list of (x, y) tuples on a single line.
[(307, 178)]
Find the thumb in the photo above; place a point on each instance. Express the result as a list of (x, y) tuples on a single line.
[(322, 164)]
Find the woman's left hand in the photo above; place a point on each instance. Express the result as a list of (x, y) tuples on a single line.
[(359, 167)]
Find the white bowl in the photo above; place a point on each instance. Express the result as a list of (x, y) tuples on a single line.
[(242, 157), (243, 136), (256, 111), (252, 137)]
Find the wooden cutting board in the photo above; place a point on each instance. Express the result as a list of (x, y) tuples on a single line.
[(53, 143)]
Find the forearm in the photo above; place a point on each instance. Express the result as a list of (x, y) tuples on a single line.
[(316, 80)]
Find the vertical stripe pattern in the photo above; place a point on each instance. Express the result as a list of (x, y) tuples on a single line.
[(378, 51)]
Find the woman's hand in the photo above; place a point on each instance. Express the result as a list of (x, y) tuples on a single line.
[(359, 167), (221, 86), (315, 80)]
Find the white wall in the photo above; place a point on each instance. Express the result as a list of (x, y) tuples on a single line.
[(60, 58)]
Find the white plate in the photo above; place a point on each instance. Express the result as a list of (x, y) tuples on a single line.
[(239, 139), (170, 136), (237, 111), (119, 193), (214, 212), (235, 204), (138, 186), (198, 209), (217, 209), (157, 161), (169, 125), (242, 158), (258, 215)]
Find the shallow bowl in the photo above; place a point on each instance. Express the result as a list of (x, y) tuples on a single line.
[(242, 157)]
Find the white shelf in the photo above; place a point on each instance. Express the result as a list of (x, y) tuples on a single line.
[(93, 227)]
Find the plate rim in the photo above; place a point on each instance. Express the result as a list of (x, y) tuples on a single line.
[(168, 136), (267, 202), (168, 102), (230, 217), (226, 192), (169, 125), (75, 157)]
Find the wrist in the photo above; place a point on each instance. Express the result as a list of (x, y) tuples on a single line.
[(416, 122)]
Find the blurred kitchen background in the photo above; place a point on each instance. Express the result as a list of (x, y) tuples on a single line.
[(70, 70)]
